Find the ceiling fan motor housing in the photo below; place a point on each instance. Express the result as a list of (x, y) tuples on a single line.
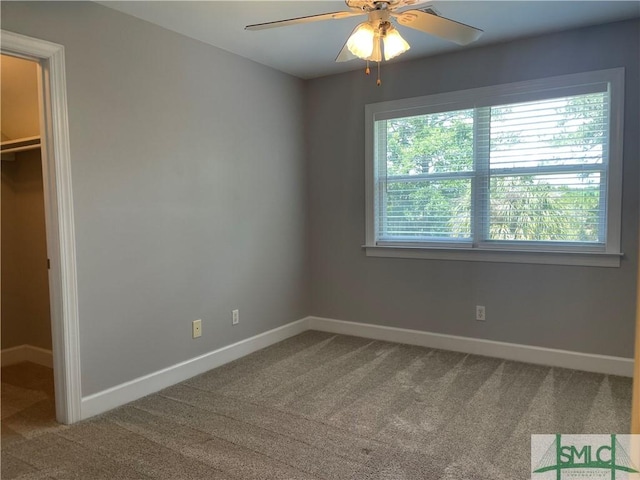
[(379, 19), (368, 5)]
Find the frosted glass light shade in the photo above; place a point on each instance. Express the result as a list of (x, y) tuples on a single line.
[(394, 44), (360, 42)]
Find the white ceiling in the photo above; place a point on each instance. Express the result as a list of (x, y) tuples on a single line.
[(309, 50)]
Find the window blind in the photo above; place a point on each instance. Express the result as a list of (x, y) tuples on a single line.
[(520, 172)]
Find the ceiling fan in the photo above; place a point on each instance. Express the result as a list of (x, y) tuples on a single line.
[(377, 38)]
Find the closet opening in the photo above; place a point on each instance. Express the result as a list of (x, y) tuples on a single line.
[(27, 380)]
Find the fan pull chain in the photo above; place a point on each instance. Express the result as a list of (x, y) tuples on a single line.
[(367, 71)]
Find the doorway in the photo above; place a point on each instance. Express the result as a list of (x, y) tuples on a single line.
[(27, 386), (58, 211)]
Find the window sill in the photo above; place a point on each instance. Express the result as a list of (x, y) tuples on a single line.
[(590, 259)]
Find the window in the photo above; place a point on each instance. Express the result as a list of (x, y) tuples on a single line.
[(525, 172)]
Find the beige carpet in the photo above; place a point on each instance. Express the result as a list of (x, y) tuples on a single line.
[(322, 406), (28, 404)]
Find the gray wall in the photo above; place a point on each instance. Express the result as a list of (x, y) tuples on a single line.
[(575, 308), (25, 278), (189, 189), (192, 189)]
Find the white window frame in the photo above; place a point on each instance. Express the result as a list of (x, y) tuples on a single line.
[(497, 251)]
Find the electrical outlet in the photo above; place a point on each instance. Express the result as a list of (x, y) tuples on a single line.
[(480, 313), (236, 317), (196, 328)]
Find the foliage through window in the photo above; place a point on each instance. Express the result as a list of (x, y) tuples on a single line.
[(526, 170)]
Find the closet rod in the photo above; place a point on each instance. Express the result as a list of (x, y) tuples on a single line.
[(20, 145), (20, 149)]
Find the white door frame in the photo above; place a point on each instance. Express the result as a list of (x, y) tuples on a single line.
[(58, 201)]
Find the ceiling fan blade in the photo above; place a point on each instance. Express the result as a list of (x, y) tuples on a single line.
[(439, 26), (307, 19), (409, 3)]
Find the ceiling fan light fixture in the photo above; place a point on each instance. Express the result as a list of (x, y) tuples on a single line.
[(361, 41), (394, 44)]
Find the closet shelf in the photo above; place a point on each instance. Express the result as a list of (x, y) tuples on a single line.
[(20, 145)]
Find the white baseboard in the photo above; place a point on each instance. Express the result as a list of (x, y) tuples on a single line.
[(127, 392), (510, 351), (26, 353), (139, 387)]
